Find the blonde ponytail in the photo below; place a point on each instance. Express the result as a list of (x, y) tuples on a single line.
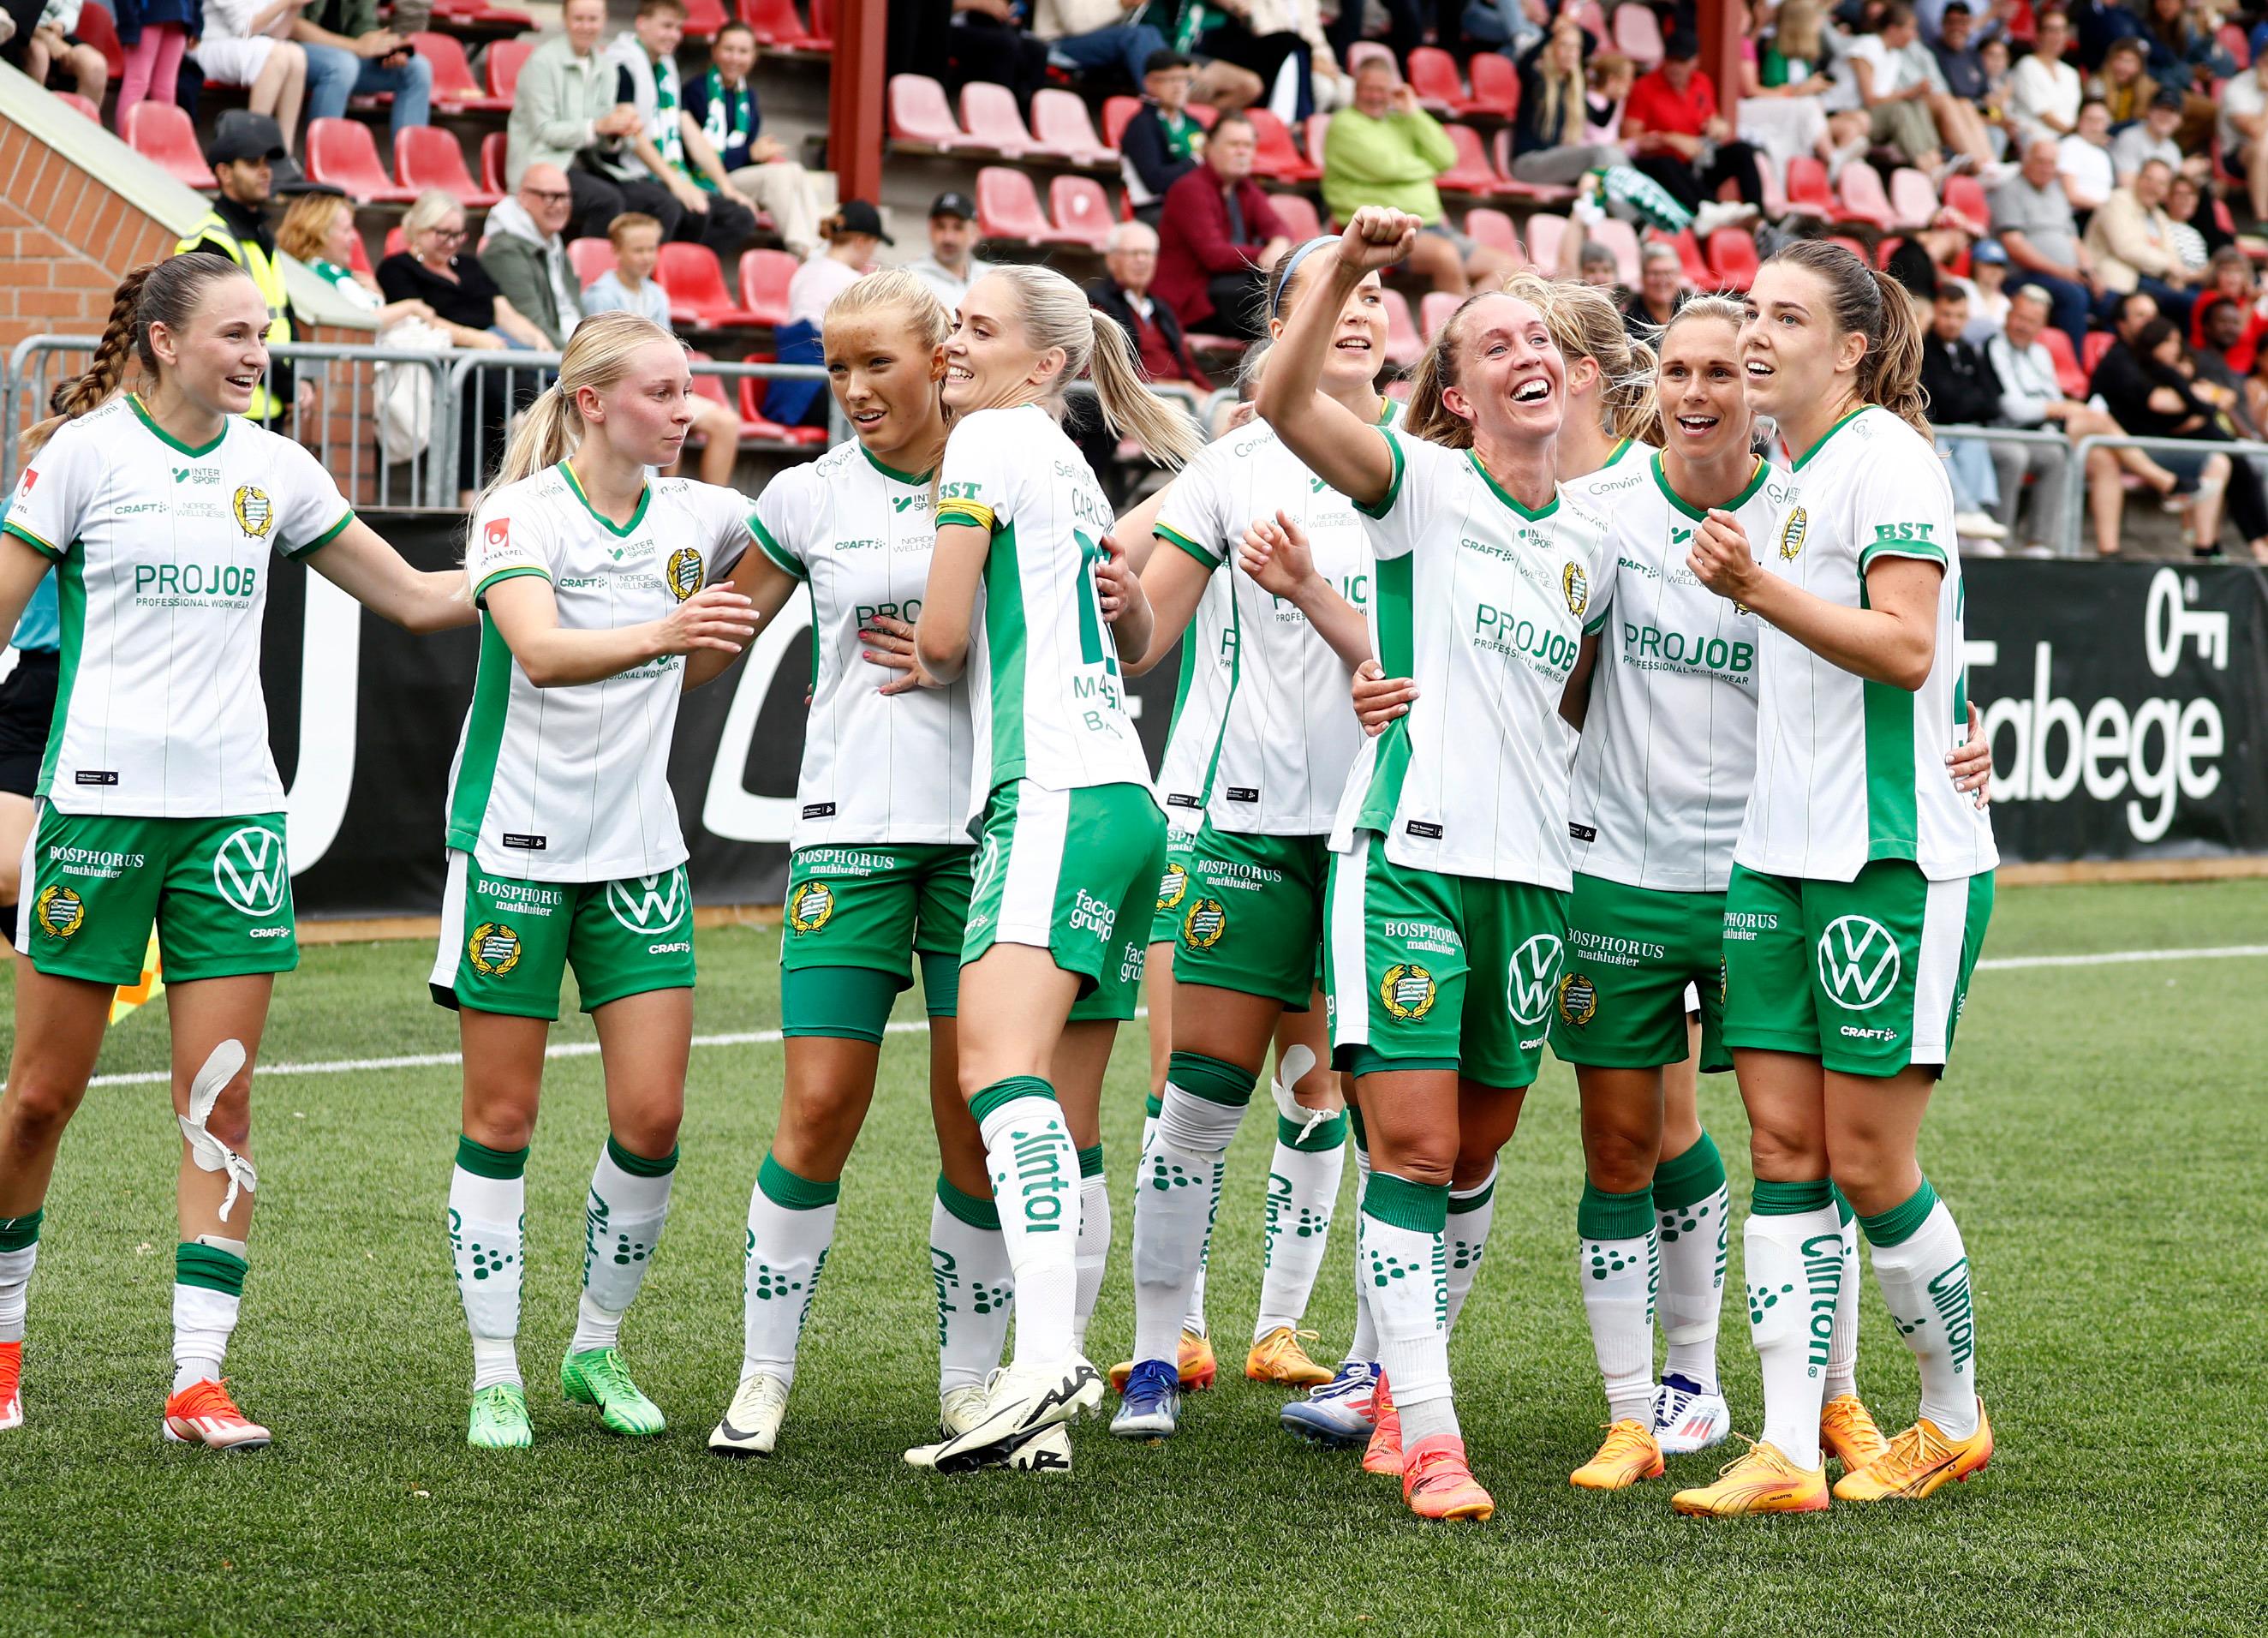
[(1056, 313)]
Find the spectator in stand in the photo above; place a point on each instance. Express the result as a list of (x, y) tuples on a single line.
[(55, 44), (2225, 333), (244, 153), (1660, 292), (721, 104), (2184, 199), (1964, 392), (667, 147), (248, 43), (2244, 133), (2123, 83), (1387, 151), (1924, 260), (349, 55), (1677, 138), (525, 254), (2151, 138), (156, 35), (852, 235), (988, 40), (318, 230), (1218, 236), (1123, 292), (1547, 138), (2132, 240), (1783, 85), (1594, 265), (2083, 160), (1958, 57), (2035, 227), (1162, 142), (1896, 97), (2043, 90), (1083, 35), (1610, 77), (629, 286), (1406, 25), (951, 266), (2230, 284), (2149, 392), (1987, 288), (1267, 37), (564, 114), (2182, 55)]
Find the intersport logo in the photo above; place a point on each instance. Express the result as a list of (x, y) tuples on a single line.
[(249, 871), (648, 905), (1859, 961), (1534, 978)]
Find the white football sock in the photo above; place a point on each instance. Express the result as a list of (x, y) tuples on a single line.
[(16, 1265), (622, 1221), (207, 1292), (1618, 1271), (1035, 1171), (968, 1260), (1925, 1280), (1093, 1249), (1363, 1350), (488, 1219), (1472, 1213), (1693, 1221), (1177, 1191), (1303, 1186), (790, 1227), (1842, 1375), (1795, 1273), (1405, 1260)]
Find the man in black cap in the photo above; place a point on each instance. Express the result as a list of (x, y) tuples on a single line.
[(951, 266), (243, 153), (2152, 137), (1679, 138), (1162, 142)]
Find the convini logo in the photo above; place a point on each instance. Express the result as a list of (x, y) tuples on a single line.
[(648, 905), (249, 872), (1859, 961), (1533, 978)]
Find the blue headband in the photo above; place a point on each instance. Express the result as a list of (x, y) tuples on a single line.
[(1290, 265)]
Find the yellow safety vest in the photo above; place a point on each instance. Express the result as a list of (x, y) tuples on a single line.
[(215, 230)]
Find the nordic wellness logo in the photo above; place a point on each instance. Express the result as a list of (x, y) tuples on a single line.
[(646, 906), (249, 871), (1533, 978), (1859, 961)]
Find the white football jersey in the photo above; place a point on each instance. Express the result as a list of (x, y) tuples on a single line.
[(1482, 603), (163, 554), (1668, 749), (1046, 692), (1847, 770), (1200, 707), (876, 768), (1290, 734), (573, 784)]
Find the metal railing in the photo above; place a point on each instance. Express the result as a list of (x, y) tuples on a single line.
[(2073, 521), (2075, 475)]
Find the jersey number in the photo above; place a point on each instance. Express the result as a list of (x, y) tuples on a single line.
[(1092, 648)]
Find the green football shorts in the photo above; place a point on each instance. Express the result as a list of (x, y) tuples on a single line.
[(217, 890), (1076, 874), (1630, 953), (506, 944), (1254, 914), (1868, 976), (1412, 964), (856, 920), (1172, 886)]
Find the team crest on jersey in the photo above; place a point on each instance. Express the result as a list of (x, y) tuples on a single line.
[(1578, 1000), (255, 513), (1577, 586), (684, 574), (1792, 532), (1172, 886), (1203, 926), (1408, 990), (494, 949), (60, 911), (811, 907)]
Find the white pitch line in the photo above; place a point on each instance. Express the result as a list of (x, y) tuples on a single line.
[(767, 1038)]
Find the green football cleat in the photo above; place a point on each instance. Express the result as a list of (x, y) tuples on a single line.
[(499, 1421), (599, 1377)]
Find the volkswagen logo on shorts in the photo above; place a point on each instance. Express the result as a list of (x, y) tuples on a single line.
[(1859, 961), (1533, 977), (684, 574), (250, 871), (648, 905)]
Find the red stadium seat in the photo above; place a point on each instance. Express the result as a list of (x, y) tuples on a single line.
[(1490, 227), (1496, 86), (1859, 196), (1081, 211), (754, 424), (396, 242), (2069, 373), (1007, 207), (342, 154), (920, 117), (1966, 194), (590, 258), (502, 64), (1298, 213), (428, 156), (101, 32), (991, 117), (696, 290), (1061, 122), (1845, 242), (358, 258), (77, 105), (1403, 343), (1204, 113), (1433, 77), (1472, 172), (1544, 231), (765, 278), (778, 26), (2098, 342), (1434, 308), (1733, 257), (2232, 40), (1637, 36), (453, 85), (822, 26), (493, 148), (1273, 155), (1621, 238), (1808, 192), (161, 132), (1690, 264), (1913, 197), (704, 19), (1117, 114)]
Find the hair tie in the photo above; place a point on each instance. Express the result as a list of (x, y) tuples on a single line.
[(1290, 265)]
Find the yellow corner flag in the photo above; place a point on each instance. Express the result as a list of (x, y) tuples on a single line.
[(148, 987)]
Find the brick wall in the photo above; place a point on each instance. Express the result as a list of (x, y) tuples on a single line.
[(65, 240)]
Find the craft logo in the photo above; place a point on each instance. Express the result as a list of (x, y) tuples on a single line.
[(1408, 990), (648, 905), (1534, 974), (1791, 534), (255, 515), (683, 576), (60, 911), (1577, 584), (810, 907), (1578, 998), (248, 869), (1859, 961), (494, 949), (1202, 928)]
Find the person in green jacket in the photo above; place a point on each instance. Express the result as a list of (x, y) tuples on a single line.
[(1387, 151)]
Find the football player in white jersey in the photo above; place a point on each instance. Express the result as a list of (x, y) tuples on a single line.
[(1072, 842), (162, 512), (1449, 869), (564, 845), (1250, 926), (1862, 880), (879, 876)]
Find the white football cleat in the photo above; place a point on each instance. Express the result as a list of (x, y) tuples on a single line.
[(958, 1412), (752, 1421), (1686, 1418), (1046, 1451), (1018, 1403)]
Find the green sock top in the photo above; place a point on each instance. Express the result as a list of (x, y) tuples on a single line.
[(1420, 1207), (1786, 1200), (978, 1213), (1090, 1161), (1001, 1093), (484, 1162), (1327, 1136), (638, 1165), (1900, 1223), (1211, 1079), (1605, 1215), (783, 1187), (15, 1233), (1682, 1180)]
